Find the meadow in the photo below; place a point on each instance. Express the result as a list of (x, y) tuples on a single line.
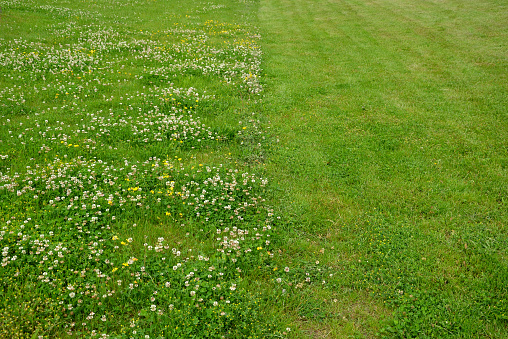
[(128, 207), (253, 169)]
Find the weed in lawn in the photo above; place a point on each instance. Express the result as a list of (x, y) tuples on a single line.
[(117, 217)]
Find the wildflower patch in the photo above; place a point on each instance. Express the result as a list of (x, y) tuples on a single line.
[(113, 223)]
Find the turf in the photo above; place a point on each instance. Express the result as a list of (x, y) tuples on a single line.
[(391, 120)]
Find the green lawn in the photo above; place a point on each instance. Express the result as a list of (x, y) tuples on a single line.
[(391, 117), (253, 169)]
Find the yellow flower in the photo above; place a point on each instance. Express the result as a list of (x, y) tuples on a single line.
[(259, 248), (115, 237), (167, 213), (125, 264), (115, 269)]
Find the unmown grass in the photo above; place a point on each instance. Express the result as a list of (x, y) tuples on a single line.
[(128, 205)]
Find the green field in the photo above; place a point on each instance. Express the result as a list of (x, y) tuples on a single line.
[(253, 169)]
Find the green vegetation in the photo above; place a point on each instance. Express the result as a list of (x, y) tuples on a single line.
[(253, 169), (392, 117), (127, 205)]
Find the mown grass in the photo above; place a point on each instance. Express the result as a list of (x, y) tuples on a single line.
[(391, 117)]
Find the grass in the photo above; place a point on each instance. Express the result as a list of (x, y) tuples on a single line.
[(128, 205), (278, 168), (392, 125)]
